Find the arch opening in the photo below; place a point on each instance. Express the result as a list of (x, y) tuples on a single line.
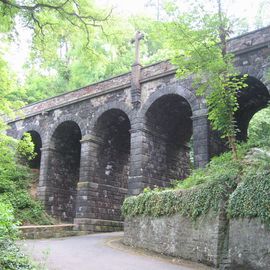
[(252, 99), (36, 139), (259, 127), (64, 168), (112, 167), (34, 164), (169, 131)]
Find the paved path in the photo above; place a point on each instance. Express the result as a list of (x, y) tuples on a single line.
[(97, 252)]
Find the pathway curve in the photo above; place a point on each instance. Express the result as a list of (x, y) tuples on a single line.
[(98, 252)]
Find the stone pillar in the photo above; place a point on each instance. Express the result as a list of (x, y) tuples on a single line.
[(200, 138), (89, 191), (138, 159), (45, 190), (89, 146)]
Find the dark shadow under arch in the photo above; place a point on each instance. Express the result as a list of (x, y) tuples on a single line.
[(112, 162), (169, 130), (64, 168)]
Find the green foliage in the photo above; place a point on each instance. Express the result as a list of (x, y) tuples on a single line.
[(26, 209), (15, 178), (15, 181), (193, 202), (11, 258), (198, 43), (195, 196), (110, 53), (8, 227), (251, 199), (15, 203), (244, 184), (259, 128), (26, 148)]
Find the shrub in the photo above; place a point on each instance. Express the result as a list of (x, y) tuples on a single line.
[(243, 184), (8, 227), (251, 199), (192, 202), (11, 258)]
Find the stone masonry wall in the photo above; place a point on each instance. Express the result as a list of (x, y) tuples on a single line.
[(176, 236), (240, 244), (249, 247)]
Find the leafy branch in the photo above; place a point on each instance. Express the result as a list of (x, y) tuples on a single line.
[(68, 10), (199, 44)]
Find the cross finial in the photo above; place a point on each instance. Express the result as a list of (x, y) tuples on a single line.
[(136, 40)]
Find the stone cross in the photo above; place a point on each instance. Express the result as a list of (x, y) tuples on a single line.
[(136, 40)]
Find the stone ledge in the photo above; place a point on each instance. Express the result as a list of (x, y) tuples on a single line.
[(97, 225), (49, 231)]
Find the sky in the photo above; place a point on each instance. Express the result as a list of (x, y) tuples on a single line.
[(18, 53)]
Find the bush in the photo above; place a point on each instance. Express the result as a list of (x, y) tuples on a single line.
[(8, 227), (15, 180), (193, 202), (259, 128), (193, 197), (26, 209), (243, 184), (251, 199), (11, 258)]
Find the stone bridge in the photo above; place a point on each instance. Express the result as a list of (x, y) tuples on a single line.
[(113, 138)]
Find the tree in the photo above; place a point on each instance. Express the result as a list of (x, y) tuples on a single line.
[(262, 16), (56, 71), (63, 32), (199, 44), (44, 17)]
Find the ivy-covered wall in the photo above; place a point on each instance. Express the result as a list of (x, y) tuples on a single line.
[(230, 199)]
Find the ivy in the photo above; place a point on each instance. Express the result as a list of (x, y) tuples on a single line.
[(193, 202), (252, 197), (243, 184)]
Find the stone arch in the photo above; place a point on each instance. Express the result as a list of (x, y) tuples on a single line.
[(176, 89), (112, 105), (37, 140), (65, 118), (63, 169), (257, 73), (111, 131), (251, 100), (32, 127), (168, 125)]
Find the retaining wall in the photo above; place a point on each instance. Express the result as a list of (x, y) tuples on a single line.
[(236, 244)]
